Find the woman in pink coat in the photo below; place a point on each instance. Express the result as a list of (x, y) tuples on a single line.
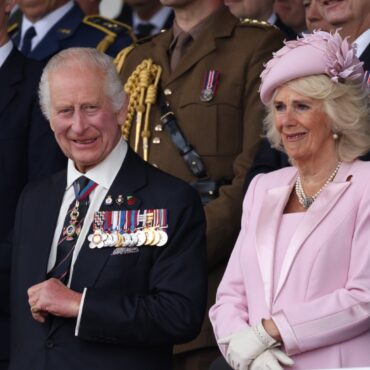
[(296, 292)]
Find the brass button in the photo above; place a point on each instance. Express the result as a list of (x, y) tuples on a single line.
[(156, 140), (167, 92), (158, 127)]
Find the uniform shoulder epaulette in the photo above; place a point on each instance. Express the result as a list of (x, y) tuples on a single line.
[(120, 58), (146, 39), (256, 22), (13, 27), (122, 55), (110, 27)]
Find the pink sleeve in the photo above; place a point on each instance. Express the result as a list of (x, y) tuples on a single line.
[(230, 312)]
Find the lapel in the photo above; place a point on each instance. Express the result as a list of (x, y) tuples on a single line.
[(268, 222), (11, 73), (90, 262), (63, 29), (365, 57), (16, 36), (222, 25), (160, 48), (319, 210), (46, 223)]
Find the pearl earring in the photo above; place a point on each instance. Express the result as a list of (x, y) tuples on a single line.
[(335, 136)]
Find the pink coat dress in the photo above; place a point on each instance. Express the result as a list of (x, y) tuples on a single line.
[(321, 299)]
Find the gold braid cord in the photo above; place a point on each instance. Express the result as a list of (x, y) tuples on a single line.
[(106, 42), (120, 58), (141, 87)]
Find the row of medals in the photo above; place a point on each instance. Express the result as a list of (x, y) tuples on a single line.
[(149, 236)]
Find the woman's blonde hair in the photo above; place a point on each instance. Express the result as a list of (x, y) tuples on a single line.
[(347, 106)]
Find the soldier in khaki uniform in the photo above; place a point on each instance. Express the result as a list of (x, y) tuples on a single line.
[(213, 92)]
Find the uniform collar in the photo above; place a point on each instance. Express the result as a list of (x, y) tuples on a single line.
[(105, 172), (43, 25), (158, 20), (362, 42)]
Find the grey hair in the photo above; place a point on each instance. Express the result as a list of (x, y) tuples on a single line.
[(347, 106), (82, 58)]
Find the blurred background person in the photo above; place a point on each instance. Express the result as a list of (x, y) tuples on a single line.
[(28, 151), (89, 7), (291, 13), (352, 19), (314, 17), (299, 275), (262, 10), (48, 26), (146, 17)]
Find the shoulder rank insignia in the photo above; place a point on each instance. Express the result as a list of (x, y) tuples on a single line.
[(256, 22), (110, 27), (12, 28)]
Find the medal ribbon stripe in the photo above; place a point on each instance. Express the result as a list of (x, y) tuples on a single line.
[(72, 225), (85, 192), (210, 81)]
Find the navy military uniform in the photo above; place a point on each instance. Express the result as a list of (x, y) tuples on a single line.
[(75, 29)]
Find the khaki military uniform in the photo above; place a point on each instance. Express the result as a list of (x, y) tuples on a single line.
[(224, 130)]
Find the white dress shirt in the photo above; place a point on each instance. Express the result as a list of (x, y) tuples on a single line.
[(43, 25), (103, 174), (158, 20), (362, 42), (5, 50)]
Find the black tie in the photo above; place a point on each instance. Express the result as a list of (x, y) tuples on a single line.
[(27, 40), (144, 30), (72, 226)]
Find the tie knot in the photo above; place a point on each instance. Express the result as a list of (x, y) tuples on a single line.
[(83, 187), (27, 40), (144, 29), (183, 39), (81, 183), (30, 33)]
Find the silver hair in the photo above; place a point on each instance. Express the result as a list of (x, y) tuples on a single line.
[(82, 58), (347, 106)]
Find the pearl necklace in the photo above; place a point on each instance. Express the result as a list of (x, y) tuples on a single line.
[(304, 200)]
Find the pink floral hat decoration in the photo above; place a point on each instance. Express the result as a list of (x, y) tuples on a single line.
[(316, 53)]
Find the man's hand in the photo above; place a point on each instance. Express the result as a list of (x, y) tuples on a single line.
[(54, 298)]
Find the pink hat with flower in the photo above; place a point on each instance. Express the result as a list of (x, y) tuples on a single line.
[(313, 54)]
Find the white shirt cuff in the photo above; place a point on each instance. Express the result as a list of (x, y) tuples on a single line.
[(77, 328)]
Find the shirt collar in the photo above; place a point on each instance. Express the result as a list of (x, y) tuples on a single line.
[(362, 42), (105, 172), (197, 30), (272, 19), (5, 50), (158, 20), (43, 25)]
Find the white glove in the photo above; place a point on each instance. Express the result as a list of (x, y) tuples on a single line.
[(271, 359), (246, 345)]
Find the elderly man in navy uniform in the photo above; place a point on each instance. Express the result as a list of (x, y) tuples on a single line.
[(206, 67), (109, 264), (48, 26)]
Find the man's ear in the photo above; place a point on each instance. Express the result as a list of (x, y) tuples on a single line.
[(9, 6), (121, 114), (51, 125)]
